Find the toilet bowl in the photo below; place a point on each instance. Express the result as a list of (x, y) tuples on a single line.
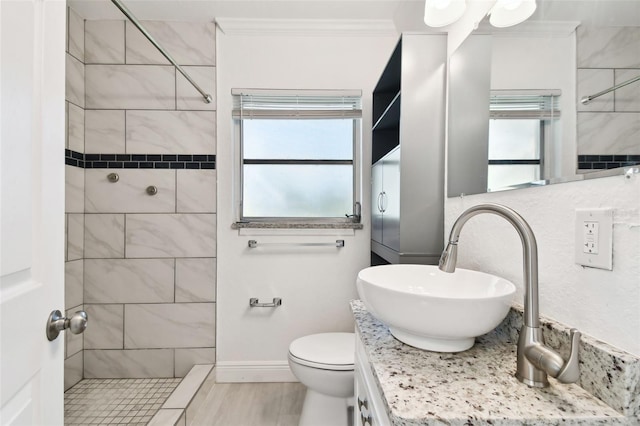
[(324, 364)]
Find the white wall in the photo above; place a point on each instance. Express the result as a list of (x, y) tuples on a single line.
[(315, 284), (538, 62), (603, 304)]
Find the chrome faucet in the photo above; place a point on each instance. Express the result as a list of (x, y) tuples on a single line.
[(535, 359)]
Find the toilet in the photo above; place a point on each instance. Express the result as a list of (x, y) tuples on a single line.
[(324, 364)]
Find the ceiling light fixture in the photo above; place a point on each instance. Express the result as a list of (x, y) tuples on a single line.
[(507, 13), (440, 13)]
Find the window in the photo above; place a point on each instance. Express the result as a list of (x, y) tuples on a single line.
[(514, 152), (297, 154), (520, 130)]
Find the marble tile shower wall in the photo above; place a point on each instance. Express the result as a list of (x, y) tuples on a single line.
[(609, 126), (149, 263), (150, 267), (74, 199)]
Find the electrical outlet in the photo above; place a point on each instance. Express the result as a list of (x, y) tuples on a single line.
[(590, 243), (594, 238)]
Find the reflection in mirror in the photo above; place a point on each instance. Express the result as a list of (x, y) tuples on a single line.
[(515, 117), (524, 130)]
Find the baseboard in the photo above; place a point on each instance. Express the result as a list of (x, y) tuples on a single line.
[(253, 371)]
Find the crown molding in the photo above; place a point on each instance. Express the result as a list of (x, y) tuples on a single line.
[(530, 29), (307, 27)]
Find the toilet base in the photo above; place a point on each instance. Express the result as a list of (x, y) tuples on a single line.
[(324, 410)]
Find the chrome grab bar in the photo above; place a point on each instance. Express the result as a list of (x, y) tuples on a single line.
[(585, 100), (207, 97), (338, 243), (254, 303)]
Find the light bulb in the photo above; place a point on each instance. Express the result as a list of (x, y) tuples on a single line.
[(510, 4), (440, 4)]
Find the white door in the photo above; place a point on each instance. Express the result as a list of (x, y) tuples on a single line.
[(32, 86)]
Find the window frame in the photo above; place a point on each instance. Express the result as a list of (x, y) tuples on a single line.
[(240, 161)]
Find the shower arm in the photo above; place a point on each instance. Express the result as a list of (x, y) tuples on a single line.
[(589, 98), (207, 97)]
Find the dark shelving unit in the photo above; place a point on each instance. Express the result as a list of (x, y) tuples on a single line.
[(407, 152), (386, 107)]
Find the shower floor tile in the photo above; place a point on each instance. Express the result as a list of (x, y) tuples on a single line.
[(116, 401)]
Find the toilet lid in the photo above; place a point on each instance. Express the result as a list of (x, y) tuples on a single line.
[(328, 350)]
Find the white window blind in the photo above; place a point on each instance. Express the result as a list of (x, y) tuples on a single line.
[(524, 105), (283, 104)]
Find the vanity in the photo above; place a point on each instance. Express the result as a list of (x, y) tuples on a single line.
[(397, 384)]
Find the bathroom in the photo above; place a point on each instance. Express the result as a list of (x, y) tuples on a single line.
[(253, 47)]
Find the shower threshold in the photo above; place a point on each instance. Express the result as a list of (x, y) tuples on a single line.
[(151, 401)]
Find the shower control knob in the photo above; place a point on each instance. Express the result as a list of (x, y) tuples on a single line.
[(56, 323)]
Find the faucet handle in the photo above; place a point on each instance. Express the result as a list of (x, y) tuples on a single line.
[(570, 372)]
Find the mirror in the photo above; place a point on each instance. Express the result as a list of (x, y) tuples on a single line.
[(515, 116)]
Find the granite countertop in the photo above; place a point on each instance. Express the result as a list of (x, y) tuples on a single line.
[(474, 387)]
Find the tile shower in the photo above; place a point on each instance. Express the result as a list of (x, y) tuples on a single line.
[(142, 266)]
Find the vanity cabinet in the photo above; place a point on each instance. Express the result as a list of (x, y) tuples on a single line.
[(408, 152), (369, 409)]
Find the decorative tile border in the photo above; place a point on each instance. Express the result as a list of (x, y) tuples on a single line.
[(603, 162), (139, 161)]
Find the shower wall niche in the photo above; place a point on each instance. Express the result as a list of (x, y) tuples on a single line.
[(144, 185)]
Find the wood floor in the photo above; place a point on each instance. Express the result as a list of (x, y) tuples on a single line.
[(251, 404)]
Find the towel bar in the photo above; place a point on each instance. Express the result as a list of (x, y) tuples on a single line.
[(338, 243)]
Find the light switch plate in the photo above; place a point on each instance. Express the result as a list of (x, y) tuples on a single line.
[(594, 238)]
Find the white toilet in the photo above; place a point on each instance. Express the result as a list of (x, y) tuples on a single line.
[(324, 364)]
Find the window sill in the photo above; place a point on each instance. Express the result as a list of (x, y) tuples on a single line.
[(295, 225)]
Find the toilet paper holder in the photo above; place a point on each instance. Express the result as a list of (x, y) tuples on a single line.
[(255, 303)]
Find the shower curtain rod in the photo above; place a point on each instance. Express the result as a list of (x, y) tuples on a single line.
[(588, 99), (207, 97)]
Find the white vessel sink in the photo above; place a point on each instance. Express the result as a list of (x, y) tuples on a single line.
[(434, 310)]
